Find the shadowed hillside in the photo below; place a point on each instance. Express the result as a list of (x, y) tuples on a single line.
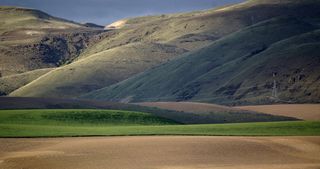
[(143, 42), (237, 69)]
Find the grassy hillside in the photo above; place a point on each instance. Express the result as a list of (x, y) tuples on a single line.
[(144, 42), (10, 83), (286, 47), (185, 117), (32, 39)]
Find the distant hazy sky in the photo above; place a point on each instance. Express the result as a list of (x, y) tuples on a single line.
[(106, 11)]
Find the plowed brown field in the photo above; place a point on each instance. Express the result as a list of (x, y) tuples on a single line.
[(161, 152), (300, 111)]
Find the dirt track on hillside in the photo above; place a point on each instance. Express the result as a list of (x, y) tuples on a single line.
[(161, 152), (300, 111)]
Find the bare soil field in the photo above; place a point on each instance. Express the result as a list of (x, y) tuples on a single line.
[(189, 106), (300, 111), (161, 152)]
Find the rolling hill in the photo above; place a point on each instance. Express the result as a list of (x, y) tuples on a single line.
[(237, 69), (144, 42), (183, 117), (32, 39)]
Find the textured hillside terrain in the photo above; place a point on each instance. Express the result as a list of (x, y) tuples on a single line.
[(12, 82), (138, 44), (31, 39), (229, 55), (237, 69)]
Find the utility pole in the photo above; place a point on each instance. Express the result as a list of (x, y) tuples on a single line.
[(274, 88)]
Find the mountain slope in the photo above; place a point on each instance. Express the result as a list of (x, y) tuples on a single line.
[(150, 38), (10, 83), (31, 39), (237, 69), (16, 18), (98, 70)]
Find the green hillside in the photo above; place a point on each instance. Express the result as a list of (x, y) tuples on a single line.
[(144, 42), (237, 69)]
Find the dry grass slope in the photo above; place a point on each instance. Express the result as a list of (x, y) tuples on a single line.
[(99, 70), (31, 39), (10, 83), (165, 36), (243, 75)]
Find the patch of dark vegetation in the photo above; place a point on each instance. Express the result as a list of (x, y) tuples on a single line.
[(53, 50), (106, 117), (63, 49)]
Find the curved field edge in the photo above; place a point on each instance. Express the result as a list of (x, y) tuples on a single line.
[(293, 128), (184, 117)]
